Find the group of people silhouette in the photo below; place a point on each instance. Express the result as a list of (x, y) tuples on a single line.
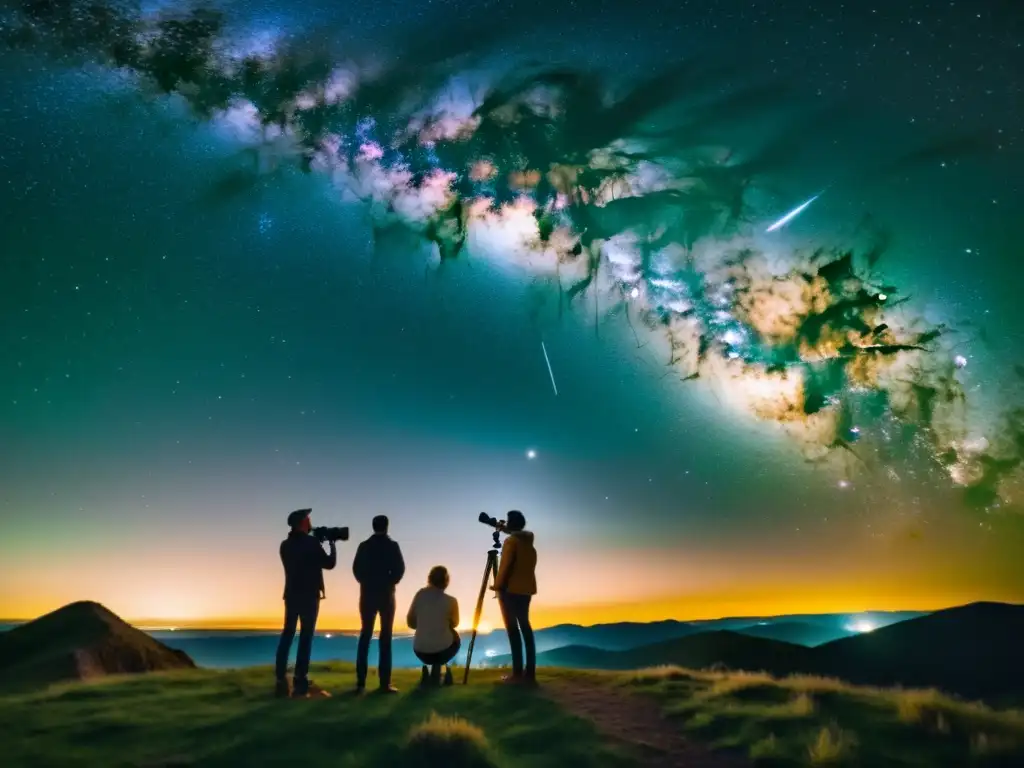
[(433, 615)]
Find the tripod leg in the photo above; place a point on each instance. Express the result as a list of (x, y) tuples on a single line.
[(491, 567)]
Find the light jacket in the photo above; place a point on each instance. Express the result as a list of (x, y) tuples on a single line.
[(434, 615), (516, 574)]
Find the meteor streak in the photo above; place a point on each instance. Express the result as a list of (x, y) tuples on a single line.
[(550, 372), (791, 215)]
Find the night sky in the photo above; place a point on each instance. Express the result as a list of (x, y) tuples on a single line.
[(190, 352)]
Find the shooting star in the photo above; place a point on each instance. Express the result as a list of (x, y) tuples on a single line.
[(550, 372), (792, 215)]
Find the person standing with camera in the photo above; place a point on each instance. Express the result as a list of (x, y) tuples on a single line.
[(378, 566), (516, 584), (304, 563)]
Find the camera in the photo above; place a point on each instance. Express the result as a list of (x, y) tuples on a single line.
[(491, 521), (323, 533)]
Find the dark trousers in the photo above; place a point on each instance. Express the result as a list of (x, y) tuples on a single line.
[(370, 607), (296, 610), (515, 612), (441, 657)]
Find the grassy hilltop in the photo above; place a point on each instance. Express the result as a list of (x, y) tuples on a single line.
[(713, 720)]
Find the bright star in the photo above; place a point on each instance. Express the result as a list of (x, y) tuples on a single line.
[(531, 454)]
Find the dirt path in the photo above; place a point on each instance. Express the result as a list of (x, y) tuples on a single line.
[(637, 721)]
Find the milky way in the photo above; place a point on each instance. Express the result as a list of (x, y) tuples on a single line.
[(622, 196)]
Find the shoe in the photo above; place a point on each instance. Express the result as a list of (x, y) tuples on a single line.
[(424, 677), (360, 687), (309, 691), (387, 688), (282, 690), (316, 692), (448, 679)]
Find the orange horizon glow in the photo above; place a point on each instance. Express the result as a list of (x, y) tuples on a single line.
[(589, 615), (604, 582)]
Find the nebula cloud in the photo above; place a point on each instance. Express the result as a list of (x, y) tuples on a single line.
[(622, 196)]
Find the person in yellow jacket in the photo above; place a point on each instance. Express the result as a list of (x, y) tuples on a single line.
[(516, 584)]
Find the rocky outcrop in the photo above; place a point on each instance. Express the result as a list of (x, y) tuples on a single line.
[(80, 641)]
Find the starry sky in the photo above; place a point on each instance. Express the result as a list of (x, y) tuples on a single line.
[(186, 359)]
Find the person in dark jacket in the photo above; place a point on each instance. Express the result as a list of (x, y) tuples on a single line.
[(378, 567), (304, 562)]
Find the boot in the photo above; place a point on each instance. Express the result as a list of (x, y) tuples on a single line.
[(424, 677), (448, 680), (435, 675)]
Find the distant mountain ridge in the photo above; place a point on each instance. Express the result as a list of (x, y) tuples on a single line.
[(973, 651), (700, 650), (241, 648)]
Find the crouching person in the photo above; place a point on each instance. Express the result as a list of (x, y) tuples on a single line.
[(434, 615)]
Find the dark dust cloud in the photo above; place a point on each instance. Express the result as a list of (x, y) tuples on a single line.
[(713, 270)]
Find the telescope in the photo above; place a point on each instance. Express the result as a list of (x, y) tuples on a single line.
[(498, 525), (490, 573)]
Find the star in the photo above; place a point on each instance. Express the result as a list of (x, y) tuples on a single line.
[(531, 454)]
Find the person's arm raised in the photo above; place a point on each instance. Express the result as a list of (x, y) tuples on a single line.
[(328, 561)]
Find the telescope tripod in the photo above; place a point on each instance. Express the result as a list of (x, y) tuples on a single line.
[(490, 571)]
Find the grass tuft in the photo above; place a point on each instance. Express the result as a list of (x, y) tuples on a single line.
[(800, 706), (831, 747), (448, 741), (768, 748), (661, 674), (806, 720)]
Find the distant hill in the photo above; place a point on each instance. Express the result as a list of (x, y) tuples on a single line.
[(731, 650), (804, 629), (974, 651), (241, 648), (80, 641), (798, 632), (837, 620), (618, 636)]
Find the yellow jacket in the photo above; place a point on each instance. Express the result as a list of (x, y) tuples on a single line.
[(516, 573)]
